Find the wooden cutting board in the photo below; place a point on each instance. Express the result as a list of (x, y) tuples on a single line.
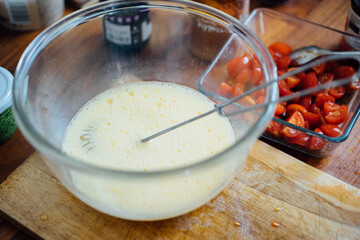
[(274, 197)]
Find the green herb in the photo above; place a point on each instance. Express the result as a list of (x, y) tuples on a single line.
[(7, 125)]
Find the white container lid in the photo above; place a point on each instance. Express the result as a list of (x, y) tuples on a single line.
[(6, 82)]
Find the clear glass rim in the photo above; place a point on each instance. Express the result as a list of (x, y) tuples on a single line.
[(78, 17)]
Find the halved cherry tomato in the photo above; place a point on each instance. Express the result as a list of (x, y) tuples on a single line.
[(225, 89), (257, 73), (331, 130), (238, 64), (260, 99), (238, 89), (315, 109), (322, 98), (281, 48), (274, 55), (280, 109), (274, 129), (334, 113), (344, 72), (283, 63), (318, 69), (244, 76), (259, 93), (283, 88), (305, 101), (312, 118), (302, 139), (247, 101), (317, 143), (325, 77), (309, 81), (233, 67), (337, 92), (355, 85), (290, 109), (306, 124), (299, 75), (331, 65), (292, 81), (297, 119)]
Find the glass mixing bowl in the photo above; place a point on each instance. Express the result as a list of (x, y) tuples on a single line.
[(89, 51)]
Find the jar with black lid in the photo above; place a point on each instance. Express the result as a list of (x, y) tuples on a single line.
[(353, 25), (128, 30)]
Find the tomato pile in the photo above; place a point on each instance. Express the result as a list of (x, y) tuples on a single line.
[(320, 112)]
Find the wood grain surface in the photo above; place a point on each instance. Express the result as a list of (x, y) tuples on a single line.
[(342, 164), (275, 196)]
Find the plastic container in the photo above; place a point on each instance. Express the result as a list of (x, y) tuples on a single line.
[(271, 26), (71, 62), (7, 122)]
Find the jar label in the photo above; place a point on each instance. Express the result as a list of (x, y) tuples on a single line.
[(118, 34), (20, 14)]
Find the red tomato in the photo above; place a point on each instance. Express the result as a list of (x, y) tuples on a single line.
[(247, 101), (233, 67), (309, 80), (238, 64), (259, 93), (274, 129), (290, 109), (317, 143), (355, 85), (306, 124), (305, 101), (325, 77), (257, 74), (302, 139), (244, 76), (238, 89), (283, 63), (299, 75), (274, 55), (292, 81), (331, 65), (334, 113), (281, 48), (322, 98), (297, 119), (315, 109), (280, 109), (337, 92), (318, 69), (260, 99), (312, 118), (344, 72), (283, 88), (225, 89), (330, 130)]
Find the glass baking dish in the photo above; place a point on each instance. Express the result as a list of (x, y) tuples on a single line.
[(271, 26)]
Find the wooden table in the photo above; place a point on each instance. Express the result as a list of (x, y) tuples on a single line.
[(342, 163)]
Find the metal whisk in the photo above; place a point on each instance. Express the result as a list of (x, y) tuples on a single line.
[(310, 64)]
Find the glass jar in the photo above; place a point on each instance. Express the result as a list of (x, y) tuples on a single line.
[(353, 26)]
